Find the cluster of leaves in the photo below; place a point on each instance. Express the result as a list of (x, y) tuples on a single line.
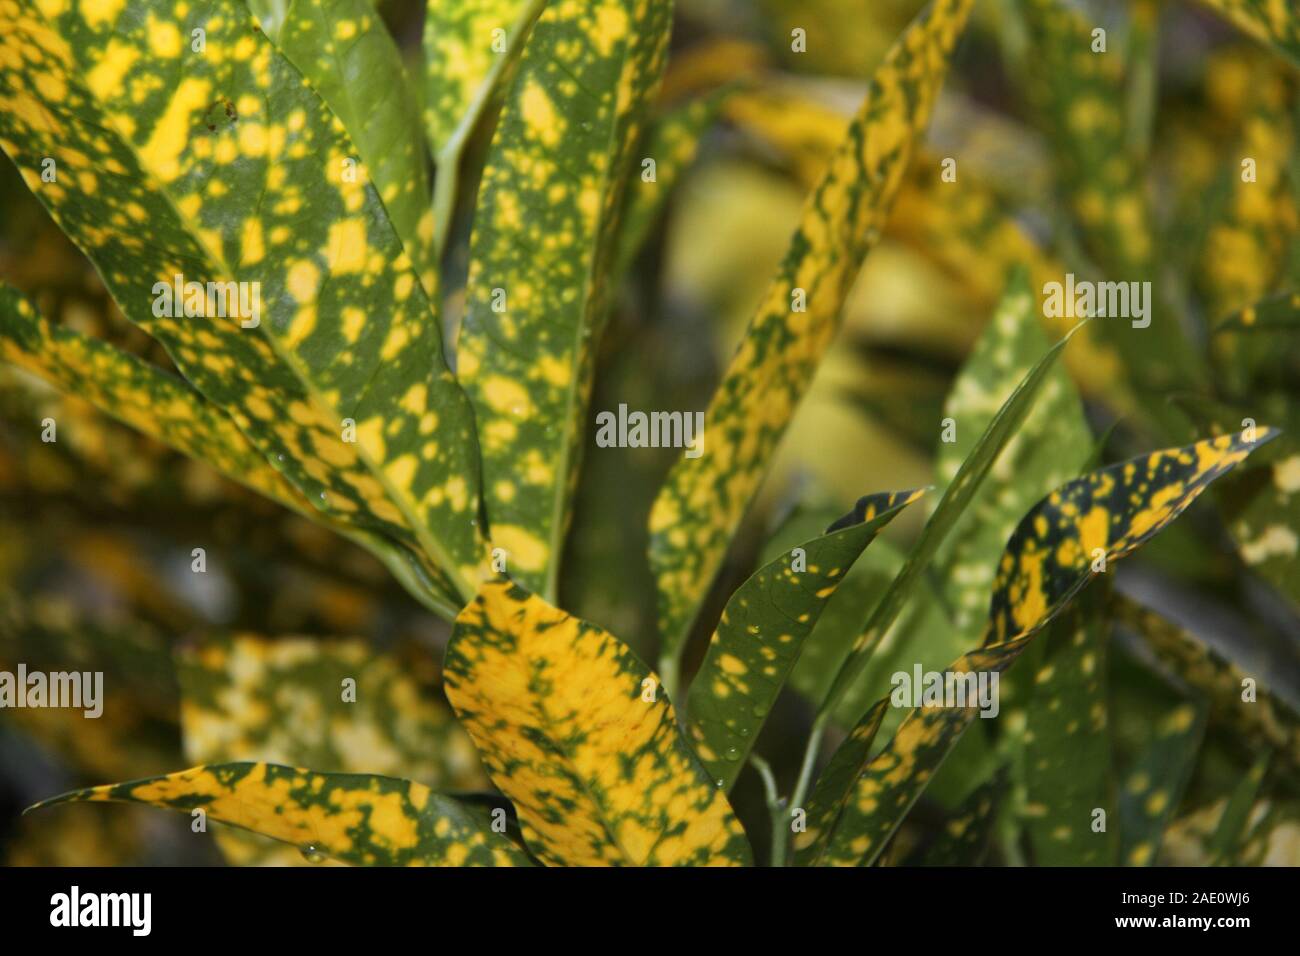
[(419, 388)]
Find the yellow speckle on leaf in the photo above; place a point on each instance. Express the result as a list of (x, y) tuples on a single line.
[(539, 114), (346, 251), (304, 280)]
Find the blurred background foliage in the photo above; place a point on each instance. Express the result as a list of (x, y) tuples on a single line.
[(97, 529)]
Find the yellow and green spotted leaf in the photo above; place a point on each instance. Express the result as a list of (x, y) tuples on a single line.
[(1048, 449), (1228, 843), (672, 141), (540, 255), (579, 735), (854, 812), (138, 394), (1108, 513), (470, 47), (970, 231), (961, 491), (283, 701), (1153, 787), (135, 729), (1252, 214), (1048, 559), (363, 819), (835, 787), (1275, 23), (836, 627), (1264, 723), (167, 409), (1067, 743), (1264, 515), (967, 834), (224, 166), (467, 44), (762, 632), (344, 50), (1080, 93), (705, 498)]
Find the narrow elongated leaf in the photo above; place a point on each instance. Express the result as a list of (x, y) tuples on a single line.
[(968, 833), (877, 793), (577, 732), (364, 819), (835, 786), (540, 255), (167, 409), (1113, 511), (138, 394), (344, 50), (762, 632), (1047, 450), (470, 47), (1265, 723), (836, 628), (1080, 95), (958, 496), (1244, 255), (247, 698), (1153, 789), (705, 498), (1230, 835), (467, 45), (225, 167), (1067, 757), (672, 141), (970, 231), (1262, 504), (1274, 23), (1047, 561)]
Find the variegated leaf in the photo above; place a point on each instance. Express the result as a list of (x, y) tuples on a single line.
[(1067, 743), (469, 49), (282, 701), (1049, 558), (961, 491), (542, 247), (672, 141), (705, 498), (1233, 829), (363, 819), (344, 50), (969, 231), (762, 632), (221, 165), (1080, 94), (1267, 722), (167, 409), (966, 835), (1048, 449), (143, 396), (1154, 787), (578, 733), (835, 787)]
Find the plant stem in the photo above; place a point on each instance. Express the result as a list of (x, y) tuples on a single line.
[(775, 808), (809, 761)]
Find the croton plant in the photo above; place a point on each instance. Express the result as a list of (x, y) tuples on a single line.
[(405, 297)]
